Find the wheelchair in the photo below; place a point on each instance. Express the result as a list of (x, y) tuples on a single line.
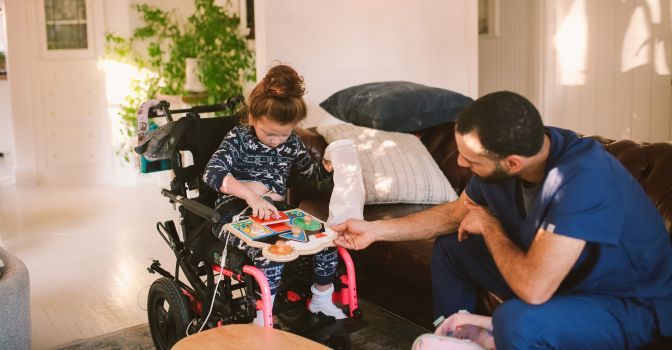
[(191, 300)]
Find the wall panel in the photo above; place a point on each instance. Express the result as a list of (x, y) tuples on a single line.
[(614, 87)]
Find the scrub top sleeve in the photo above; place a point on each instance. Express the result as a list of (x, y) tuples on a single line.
[(583, 205), (475, 192)]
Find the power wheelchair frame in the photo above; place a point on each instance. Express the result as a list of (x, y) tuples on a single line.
[(177, 308)]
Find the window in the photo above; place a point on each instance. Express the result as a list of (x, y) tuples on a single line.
[(66, 26)]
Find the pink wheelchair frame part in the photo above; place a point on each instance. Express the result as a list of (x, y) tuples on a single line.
[(265, 303)]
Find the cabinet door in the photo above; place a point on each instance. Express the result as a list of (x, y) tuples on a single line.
[(69, 103)]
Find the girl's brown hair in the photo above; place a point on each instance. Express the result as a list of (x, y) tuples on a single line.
[(279, 96)]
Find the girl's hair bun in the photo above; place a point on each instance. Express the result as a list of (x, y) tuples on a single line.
[(283, 81), (279, 96)]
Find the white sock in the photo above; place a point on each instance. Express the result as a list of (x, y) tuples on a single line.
[(259, 320), (321, 302)]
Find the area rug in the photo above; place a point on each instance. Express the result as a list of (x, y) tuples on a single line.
[(385, 331)]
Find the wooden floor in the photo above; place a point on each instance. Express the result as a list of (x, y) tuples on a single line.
[(87, 250)]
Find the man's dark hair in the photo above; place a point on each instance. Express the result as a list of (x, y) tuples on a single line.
[(506, 124)]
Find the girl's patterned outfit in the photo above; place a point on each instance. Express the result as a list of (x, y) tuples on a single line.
[(242, 155)]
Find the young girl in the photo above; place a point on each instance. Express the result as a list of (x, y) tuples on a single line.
[(251, 168)]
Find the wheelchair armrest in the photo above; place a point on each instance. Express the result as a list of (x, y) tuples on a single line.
[(193, 206)]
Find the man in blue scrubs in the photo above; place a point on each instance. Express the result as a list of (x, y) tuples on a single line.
[(552, 224)]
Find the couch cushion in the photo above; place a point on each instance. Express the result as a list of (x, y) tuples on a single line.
[(395, 105), (396, 167), (440, 142)]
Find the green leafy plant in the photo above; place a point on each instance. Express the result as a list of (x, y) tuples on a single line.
[(211, 35)]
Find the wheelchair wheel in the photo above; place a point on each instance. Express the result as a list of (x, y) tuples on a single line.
[(168, 312)]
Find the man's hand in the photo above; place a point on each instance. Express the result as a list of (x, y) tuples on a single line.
[(354, 234), (477, 220), (262, 208)]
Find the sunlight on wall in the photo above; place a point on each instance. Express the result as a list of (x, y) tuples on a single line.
[(636, 42), (654, 10), (662, 66), (118, 77), (571, 42)]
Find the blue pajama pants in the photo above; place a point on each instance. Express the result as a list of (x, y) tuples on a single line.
[(563, 322), (324, 263)]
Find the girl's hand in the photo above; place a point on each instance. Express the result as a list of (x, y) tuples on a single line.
[(262, 208)]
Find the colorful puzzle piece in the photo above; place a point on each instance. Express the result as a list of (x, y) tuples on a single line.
[(245, 227), (313, 225), (272, 220), (295, 213), (280, 227), (308, 235), (299, 237)]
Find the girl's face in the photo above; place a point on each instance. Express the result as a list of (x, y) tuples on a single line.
[(270, 132)]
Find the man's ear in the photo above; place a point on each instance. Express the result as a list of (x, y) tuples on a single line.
[(514, 163)]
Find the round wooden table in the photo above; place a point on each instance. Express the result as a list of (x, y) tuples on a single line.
[(246, 337)]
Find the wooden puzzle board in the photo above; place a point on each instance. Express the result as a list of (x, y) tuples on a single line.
[(314, 236)]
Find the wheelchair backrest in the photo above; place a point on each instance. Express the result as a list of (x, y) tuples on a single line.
[(201, 137)]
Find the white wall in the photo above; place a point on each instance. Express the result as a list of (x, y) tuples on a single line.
[(509, 59), (337, 44), (608, 67), (333, 44), (6, 126), (18, 60), (604, 66)]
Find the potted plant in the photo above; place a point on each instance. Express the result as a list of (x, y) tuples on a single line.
[(211, 36)]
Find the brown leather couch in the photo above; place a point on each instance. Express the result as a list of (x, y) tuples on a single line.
[(396, 275)]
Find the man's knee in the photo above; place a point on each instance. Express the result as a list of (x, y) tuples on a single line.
[(514, 325), (443, 245)]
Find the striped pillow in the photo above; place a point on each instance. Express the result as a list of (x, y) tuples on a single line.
[(397, 168)]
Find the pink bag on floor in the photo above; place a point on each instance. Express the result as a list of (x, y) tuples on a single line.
[(460, 331)]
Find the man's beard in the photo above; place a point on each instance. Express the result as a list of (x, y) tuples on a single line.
[(498, 175)]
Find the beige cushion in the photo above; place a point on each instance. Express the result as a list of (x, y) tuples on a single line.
[(397, 168)]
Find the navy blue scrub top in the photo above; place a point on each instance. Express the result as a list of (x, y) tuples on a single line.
[(588, 194)]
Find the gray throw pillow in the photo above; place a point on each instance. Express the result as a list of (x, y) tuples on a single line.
[(395, 105)]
